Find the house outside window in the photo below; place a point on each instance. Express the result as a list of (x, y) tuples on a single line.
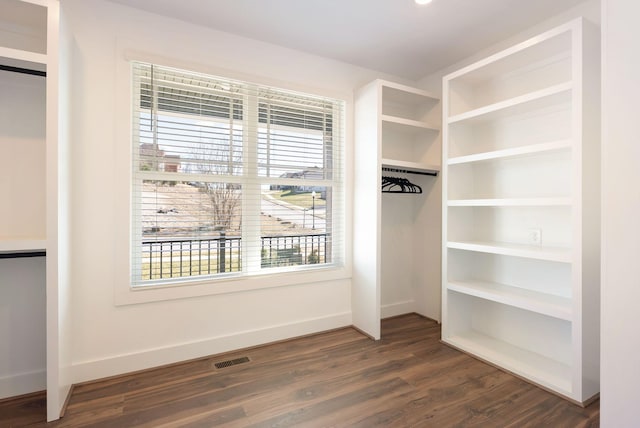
[(232, 178)]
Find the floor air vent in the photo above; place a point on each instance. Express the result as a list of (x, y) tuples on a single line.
[(223, 364)]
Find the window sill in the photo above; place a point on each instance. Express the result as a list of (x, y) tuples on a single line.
[(130, 295)]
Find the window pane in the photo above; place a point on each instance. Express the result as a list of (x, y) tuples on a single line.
[(187, 123), (294, 136), (296, 225), (189, 229)]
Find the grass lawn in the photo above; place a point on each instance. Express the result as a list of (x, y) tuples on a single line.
[(181, 265), (176, 265), (304, 200)]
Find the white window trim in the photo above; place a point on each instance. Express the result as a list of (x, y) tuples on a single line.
[(124, 292)]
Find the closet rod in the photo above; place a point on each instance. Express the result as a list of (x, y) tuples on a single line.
[(23, 70), (23, 255), (406, 171)]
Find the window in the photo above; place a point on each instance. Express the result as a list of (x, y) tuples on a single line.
[(232, 178)]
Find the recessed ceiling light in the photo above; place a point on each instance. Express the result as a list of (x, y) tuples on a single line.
[(421, 2)]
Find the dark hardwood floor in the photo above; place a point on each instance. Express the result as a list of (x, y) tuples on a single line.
[(335, 379)]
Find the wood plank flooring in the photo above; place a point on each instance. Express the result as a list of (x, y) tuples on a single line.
[(335, 379)]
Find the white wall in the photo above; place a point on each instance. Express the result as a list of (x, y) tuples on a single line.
[(620, 343), (110, 339), (22, 134)]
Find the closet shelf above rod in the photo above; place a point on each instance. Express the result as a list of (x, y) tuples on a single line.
[(393, 165), (10, 247), (410, 171)]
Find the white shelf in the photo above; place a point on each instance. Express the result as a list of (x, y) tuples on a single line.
[(20, 58), (406, 125), (550, 44), (510, 202), (513, 152), (22, 245), (553, 254), (42, 3), (403, 94), (532, 101), (542, 303), (410, 166), (539, 369)]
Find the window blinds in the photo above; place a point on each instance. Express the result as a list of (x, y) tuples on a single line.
[(232, 178)]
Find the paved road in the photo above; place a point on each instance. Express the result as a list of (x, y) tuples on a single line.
[(294, 214)]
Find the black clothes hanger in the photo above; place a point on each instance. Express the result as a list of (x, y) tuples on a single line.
[(402, 185), (399, 185)]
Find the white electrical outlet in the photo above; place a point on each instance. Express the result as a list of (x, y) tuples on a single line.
[(535, 236)]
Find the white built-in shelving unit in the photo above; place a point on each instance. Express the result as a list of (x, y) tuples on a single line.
[(520, 249), (396, 134), (30, 180)]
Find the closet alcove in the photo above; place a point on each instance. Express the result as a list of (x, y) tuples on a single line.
[(396, 233), (22, 192)]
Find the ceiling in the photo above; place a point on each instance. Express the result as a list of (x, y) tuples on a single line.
[(391, 36)]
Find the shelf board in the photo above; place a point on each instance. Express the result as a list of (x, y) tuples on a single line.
[(406, 125), (22, 245), (513, 152), (531, 101), (537, 368), (42, 3), (410, 166), (553, 254), (403, 94), (510, 202), (542, 303), (23, 59), (549, 44)]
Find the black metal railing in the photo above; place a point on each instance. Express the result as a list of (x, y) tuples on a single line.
[(176, 258), (294, 250)]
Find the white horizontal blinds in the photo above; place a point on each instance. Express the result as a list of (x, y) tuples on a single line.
[(296, 146), (232, 178), (295, 136), (187, 151), (196, 120)]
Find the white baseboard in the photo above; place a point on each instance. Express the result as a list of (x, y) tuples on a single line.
[(23, 383), (395, 309), (120, 364)]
